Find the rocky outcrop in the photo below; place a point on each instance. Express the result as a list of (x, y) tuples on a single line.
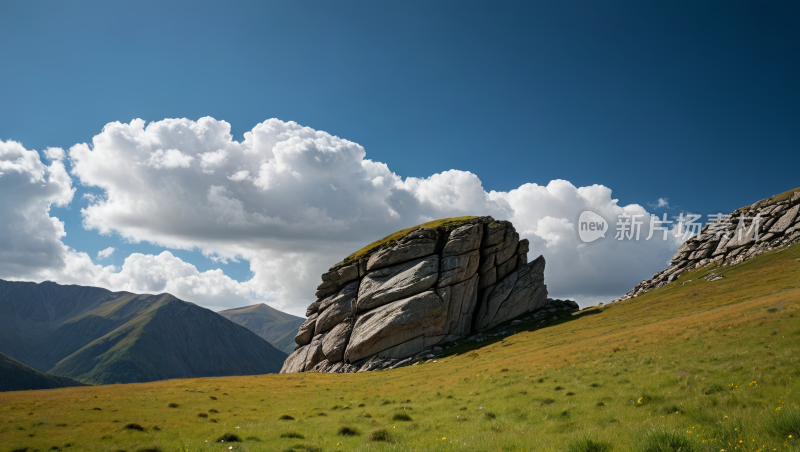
[(746, 233), (432, 286)]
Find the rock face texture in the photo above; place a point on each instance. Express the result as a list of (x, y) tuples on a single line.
[(746, 233), (433, 286)]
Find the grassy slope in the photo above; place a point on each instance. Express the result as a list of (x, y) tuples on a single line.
[(708, 363), (444, 223), (272, 325), (16, 376)]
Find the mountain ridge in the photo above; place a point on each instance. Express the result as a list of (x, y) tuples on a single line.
[(17, 376), (98, 336), (276, 327)]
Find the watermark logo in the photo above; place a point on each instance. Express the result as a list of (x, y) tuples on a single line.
[(591, 226)]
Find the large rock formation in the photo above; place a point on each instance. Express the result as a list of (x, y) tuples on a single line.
[(746, 233), (432, 286)]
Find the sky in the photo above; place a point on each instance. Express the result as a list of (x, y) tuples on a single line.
[(230, 152)]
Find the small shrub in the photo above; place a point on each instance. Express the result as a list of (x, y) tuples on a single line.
[(173, 405), (666, 441), (548, 402), (361, 405), (292, 435), (381, 435), (156, 428), (601, 404), (387, 402), (463, 408), (212, 420), (149, 449), (229, 438), (97, 409), (55, 448), (785, 422), (490, 415), (285, 417), (134, 427), (322, 414), (213, 411), (203, 415), (541, 380), (504, 370), (303, 448), (348, 431), (570, 393), (401, 417), (594, 385), (212, 397), (588, 445)]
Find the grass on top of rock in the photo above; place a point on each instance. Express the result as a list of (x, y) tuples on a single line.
[(770, 201), (440, 225), (697, 366)]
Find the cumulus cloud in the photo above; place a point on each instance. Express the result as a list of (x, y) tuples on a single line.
[(105, 253), (293, 201), (30, 239)]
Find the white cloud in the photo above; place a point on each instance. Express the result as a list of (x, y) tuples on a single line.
[(30, 239), (105, 253), (293, 201), (171, 158), (54, 154)]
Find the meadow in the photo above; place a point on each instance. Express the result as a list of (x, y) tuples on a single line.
[(693, 366)]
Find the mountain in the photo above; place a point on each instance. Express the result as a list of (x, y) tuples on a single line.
[(15, 376), (98, 336), (276, 327)]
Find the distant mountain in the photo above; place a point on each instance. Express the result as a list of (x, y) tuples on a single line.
[(278, 328), (15, 376), (98, 336)]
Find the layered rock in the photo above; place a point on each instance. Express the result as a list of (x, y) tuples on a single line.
[(432, 286), (746, 233)]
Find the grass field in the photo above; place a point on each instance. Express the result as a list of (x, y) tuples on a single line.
[(693, 366)]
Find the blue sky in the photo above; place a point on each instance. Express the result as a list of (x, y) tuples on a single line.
[(691, 101)]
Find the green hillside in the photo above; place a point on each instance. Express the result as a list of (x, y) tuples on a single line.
[(276, 327), (169, 339), (15, 376), (693, 366), (100, 337)]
